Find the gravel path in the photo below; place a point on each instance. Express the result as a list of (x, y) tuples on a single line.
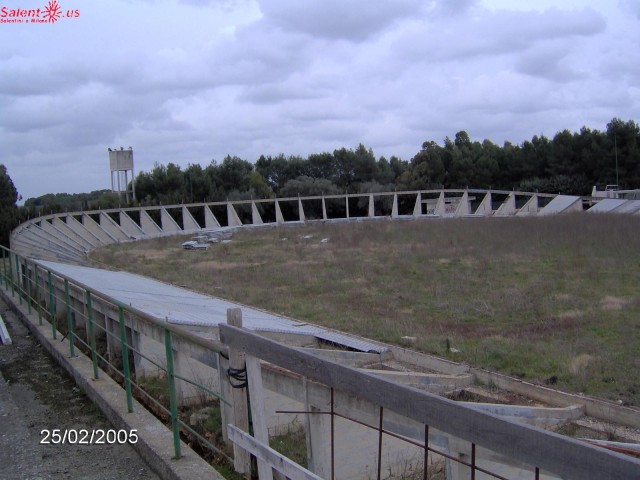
[(36, 395)]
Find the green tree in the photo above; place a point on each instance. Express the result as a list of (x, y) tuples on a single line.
[(322, 165), (426, 169), (258, 186), (10, 216), (8, 192), (397, 165), (624, 142), (234, 174), (105, 201), (308, 187), (384, 173)]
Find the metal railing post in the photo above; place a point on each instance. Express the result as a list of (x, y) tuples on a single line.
[(473, 461), (28, 292), (92, 336), (125, 360), (173, 402), (18, 283), (11, 275), (380, 430), (38, 302), (70, 332), (52, 306), (425, 473)]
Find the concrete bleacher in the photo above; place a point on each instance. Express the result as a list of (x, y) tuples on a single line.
[(70, 236)]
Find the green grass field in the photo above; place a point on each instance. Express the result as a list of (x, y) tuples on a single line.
[(544, 299)]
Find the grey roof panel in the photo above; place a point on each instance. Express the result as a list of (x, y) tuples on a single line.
[(185, 307), (607, 205), (630, 206), (559, 204)]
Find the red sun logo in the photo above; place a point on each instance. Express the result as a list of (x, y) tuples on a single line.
[(52, 11)]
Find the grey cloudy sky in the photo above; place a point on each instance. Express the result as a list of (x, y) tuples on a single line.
[(189, 81)]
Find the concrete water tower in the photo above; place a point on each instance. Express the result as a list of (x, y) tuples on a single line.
[(121, 163)]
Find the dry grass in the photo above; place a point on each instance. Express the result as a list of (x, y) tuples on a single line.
[(524, 296)]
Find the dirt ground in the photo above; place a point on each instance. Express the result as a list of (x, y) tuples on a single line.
[(36, 395)]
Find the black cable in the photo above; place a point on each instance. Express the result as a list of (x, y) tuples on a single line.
[(240, 375)]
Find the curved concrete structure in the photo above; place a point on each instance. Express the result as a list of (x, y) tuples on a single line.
[(70, 236)]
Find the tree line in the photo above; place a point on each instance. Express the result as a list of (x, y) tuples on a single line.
[(569, 162)]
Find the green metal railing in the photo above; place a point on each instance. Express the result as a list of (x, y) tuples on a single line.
[(44, 289)]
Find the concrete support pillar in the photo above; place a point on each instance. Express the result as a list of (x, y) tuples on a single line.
[(179, 364), (99, 325), (372, 210), (94, 229), (531, 207), (441, 208), (136, 341), (140, 343), (484, 208), (461, 450), (256, 219), (188, 221), (110, 226), (232, 216), (463, 206), (169, 225), (149, 226), (319, 442), (417, 208), (300, 210), (279, 217), (128, 225), (508, 207), (394, 209), (85, 314), (324, 209), (210, 220), (113, 333)]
